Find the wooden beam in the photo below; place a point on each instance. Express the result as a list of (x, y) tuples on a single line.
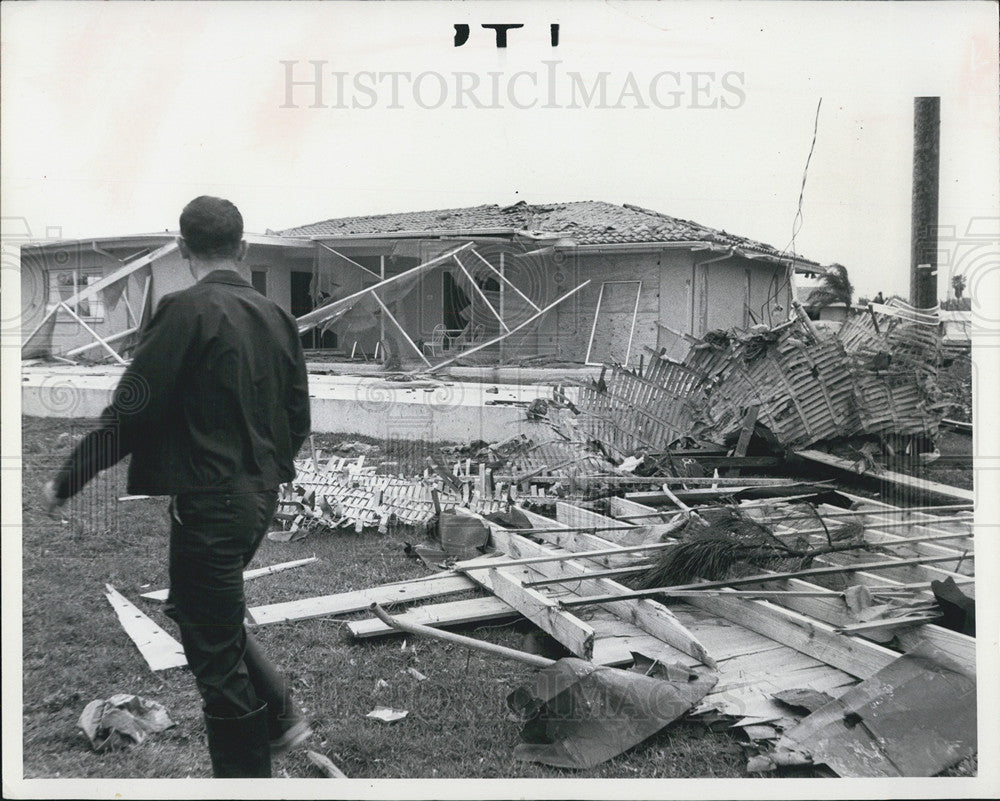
[(474, 564), (762, 577), (826, 511), (746, 431), (572, 539), (899, 479), (615, 481), (447, 613), (853, 655), (544, 612), (650, 616), (833, 610), (625, 509), (706, 495), (924, 566), (573, 516), (357, 600), (886, 623)]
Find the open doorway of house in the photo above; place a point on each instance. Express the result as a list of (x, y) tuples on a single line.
[(302, 302), (456, 306)]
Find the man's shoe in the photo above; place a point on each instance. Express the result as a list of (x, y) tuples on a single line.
[(294, 736)]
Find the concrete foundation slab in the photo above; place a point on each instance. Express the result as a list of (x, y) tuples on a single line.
[(426, 409)]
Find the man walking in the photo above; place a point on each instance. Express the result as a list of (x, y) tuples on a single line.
[(212, 409)]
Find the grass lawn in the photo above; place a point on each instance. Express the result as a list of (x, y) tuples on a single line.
[(75, 651)]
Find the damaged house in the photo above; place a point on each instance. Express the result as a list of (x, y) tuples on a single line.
[(649, 275), (583, 282), (78, 294)]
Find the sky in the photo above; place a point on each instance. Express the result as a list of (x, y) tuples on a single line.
[(116, 114)]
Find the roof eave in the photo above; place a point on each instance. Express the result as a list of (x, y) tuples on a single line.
[(695, 246), (138, 240), (433, 234)]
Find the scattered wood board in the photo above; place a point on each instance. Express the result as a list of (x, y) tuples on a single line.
[(357, 600), (911, 482), (447, 613), (161, 595), (541, 610), (833, 611), (649, 616), (159, 649)]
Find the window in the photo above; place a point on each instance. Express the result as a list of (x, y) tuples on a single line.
[(259, 280), (64, 284)]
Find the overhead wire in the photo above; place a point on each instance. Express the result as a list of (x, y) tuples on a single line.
[(796, 227)]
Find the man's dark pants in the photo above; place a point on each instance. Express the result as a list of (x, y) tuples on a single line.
[(213, 536)]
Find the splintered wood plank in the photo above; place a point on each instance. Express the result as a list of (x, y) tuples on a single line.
[(721, 637), (572, 516), (544, 612), (573, 540), (612, 651), (890, 476), (448, 613), (161, 595), (648, 615), (636, 642), (853, 655), (757, 665), (357, 600), (159, 649), (623, 507)]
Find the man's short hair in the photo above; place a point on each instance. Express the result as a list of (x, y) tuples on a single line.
[(212, 227)]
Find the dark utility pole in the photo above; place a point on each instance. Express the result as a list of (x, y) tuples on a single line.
[(924, 225)]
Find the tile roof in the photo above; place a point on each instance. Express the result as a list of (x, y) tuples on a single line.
[(586, 222)]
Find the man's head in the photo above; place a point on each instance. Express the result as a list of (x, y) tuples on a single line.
[(211, 229)]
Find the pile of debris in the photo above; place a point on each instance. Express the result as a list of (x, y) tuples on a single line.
[(876, 374), (832, 610), (337, 492), (830, 631), (786, 610), (341, 493)]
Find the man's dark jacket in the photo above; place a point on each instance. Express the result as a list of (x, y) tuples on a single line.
[(215, 400)]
